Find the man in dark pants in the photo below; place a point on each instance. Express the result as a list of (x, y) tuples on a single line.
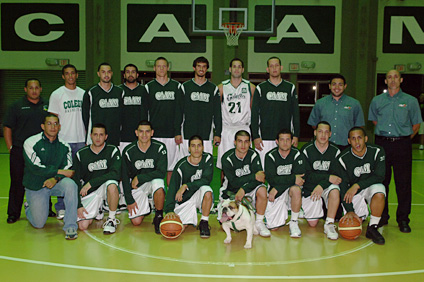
[(22, 120), (396, 116)]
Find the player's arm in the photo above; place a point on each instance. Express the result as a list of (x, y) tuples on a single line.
[(77, 176), (221, 92), (144, 113), (7, 133), (252, 91), (314, 117), (160, 170), (207, 175), (33, 162), (179, 112), (372, 112), (256, 105), (339, 168), (415, 129), (86, 105), (174, 185), (127, 170), (114, 171), (296, 116), (217, 116), (379, 172), (256, 177)]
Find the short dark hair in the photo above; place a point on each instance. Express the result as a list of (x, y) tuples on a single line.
[(69, 66), (284, 131), (195, 137), (50, 115), (236, 59), (99, 125), (162, 58), (201, 60), (337, 76), (273, 57), (241, 133), (324, 122), (103, 64), (32, 79), (357, 128), (145, 122), (131, 65)]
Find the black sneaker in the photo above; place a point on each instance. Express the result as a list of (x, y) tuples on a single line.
[(204, 229), (374, 235), (156, 223)]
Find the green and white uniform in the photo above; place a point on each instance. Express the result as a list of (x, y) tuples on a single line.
[(198, 179), (101, 106)]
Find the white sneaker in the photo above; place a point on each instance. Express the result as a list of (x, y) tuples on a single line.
[(330, 230), (294, 229), (60, 214), (263, 231), (421, 147), (109, 227)]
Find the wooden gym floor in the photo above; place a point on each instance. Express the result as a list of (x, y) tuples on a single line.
[(138, 254)]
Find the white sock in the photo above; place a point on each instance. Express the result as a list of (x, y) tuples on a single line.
[(374, 220), (112, 214), (329, 220), (294, 216), (260, 217), (205, 218)]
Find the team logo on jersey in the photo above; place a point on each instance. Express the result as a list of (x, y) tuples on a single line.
[(233, 96), (200, 96), (284, 169), (402, 105), (97, 165), (149, 163), (165, 95), (197, 175), (135, 100), (109, 103), (382, 158), (323, 166), (365, 169), (243, 171), (276, 96), (244, 90), (72, 104), (347, 107)]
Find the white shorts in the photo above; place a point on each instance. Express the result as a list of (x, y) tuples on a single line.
[(93, 202), (313, 209), (227, 140), (183, 148), (268, 146), (421, 130), (172, 151), (276, 212), (142, 194), (188, 210), (361, 199)]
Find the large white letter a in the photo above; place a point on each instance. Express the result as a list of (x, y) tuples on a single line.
[(171, 23)]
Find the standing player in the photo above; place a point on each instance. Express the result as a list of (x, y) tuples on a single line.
[(190, 189), (340, 110), (22, 120), (319, 183), (201, 108), (284, 167), (66, 102), (274, 107), (143, 170), (102, 104), (164, 101), (396, 116), (362, 169), (244, 176), (236, 101), (97, 172)]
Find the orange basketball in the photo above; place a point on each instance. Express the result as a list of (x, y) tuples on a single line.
[(171, 226), (350, 230)]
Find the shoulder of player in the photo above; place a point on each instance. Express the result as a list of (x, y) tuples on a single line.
[(33, 140), (159, 146), (181, 163), (307, 146), (111, 149), (228, 153), (375, 149), (207, 157), (252, 153), (225, 82), (174, 82), (129, 147), (273, 151)]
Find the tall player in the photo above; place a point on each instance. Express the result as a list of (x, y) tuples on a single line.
[(201, 108), (236, 101), (164, 101), (274, 107)]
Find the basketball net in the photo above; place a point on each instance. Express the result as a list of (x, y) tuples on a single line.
[(232, 32)]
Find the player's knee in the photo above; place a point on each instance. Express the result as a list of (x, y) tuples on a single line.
[(137, 221), (261, 193), (312, 223), (295, 191), (82, 225), (112, 188), (378, 197), (38, 224)]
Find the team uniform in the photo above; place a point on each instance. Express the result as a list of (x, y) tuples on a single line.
[(164, 103), (366, 171), (101, 106), (236, 114), (281, 175), (149, 167), (200, 108), (198, 179), (100, 170), (317, 166), (274, 107)]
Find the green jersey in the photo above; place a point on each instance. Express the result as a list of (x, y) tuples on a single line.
[(164, 104), (317, 166), (134, 110), (274, 107), (96, 168), (100, 106), (365, 171), (240, 173), (194, 176), (281, 172), (148, 165), (201, 106)]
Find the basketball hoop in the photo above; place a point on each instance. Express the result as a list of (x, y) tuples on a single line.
[(232, 32)]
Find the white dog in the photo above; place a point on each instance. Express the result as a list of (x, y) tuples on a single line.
[(237, 217)]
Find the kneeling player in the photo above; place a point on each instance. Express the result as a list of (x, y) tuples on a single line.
[(97, 171), (362, 169), (284, 170), (190, 189), (319, 183), (143, 171)]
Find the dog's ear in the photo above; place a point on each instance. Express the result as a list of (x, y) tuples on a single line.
[(237, 203)]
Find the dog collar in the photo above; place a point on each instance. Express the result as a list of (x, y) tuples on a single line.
[(232, 222)]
